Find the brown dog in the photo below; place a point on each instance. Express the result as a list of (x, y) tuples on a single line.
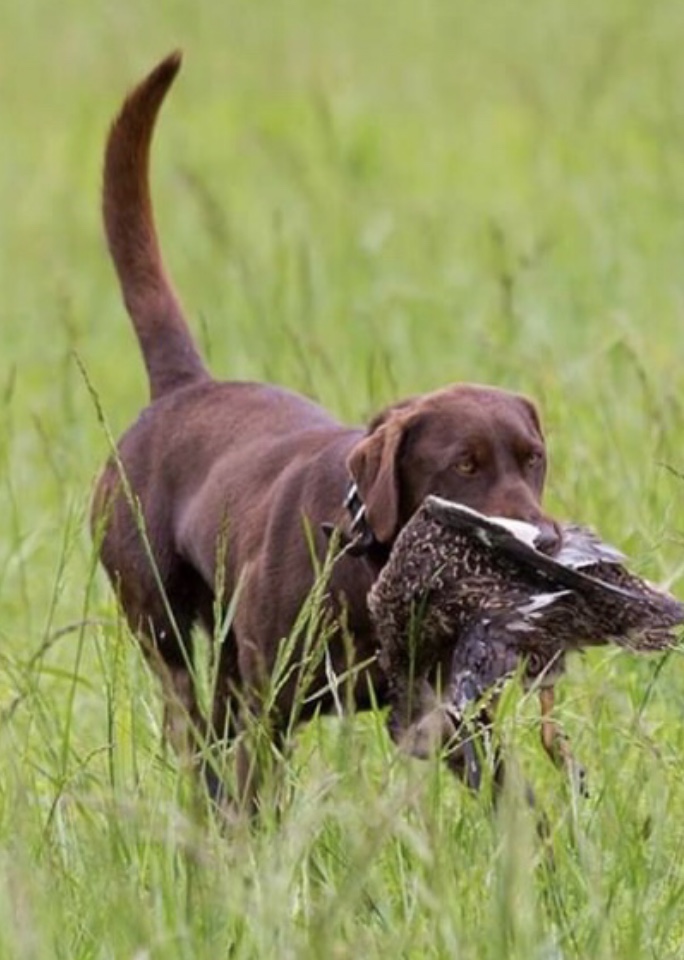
[(264, 473)]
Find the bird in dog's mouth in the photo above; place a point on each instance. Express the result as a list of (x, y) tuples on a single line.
[(466, 601)]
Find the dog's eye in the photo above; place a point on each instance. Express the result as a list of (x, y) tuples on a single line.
[(466, 466), (533, 460)]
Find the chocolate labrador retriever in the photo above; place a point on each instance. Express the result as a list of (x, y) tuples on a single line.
[(231, 490)]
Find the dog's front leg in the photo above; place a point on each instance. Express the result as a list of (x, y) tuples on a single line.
[(555, 742)]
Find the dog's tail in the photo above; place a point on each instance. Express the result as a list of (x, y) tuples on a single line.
[(167, 346)]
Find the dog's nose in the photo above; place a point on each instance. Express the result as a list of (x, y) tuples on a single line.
[(549, 539)]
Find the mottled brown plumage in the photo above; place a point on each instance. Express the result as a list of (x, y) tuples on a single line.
[(464, 602)]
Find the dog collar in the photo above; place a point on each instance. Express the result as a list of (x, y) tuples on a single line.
[(360, 541), (355, 507), (363, 538)]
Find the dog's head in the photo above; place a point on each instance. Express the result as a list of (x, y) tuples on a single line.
[(477, 445)]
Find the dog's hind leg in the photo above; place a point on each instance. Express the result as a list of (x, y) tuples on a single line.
[(165, 635), (225, 724)]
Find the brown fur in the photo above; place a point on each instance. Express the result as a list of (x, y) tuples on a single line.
[(265, 464)]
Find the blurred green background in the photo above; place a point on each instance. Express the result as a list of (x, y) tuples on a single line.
[(360, 201)]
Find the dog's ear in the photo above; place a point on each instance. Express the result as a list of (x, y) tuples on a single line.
[(532, 413), (384, 416), (373, 464)]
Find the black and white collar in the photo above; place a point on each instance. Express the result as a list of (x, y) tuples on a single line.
[(362, 537), (360, 541)]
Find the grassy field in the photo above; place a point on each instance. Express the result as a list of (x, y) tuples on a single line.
[(360, 201)]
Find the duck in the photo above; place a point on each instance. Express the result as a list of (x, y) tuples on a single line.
[(467, 601)]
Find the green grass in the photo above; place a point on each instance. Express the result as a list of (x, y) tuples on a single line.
[(361, 201)]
